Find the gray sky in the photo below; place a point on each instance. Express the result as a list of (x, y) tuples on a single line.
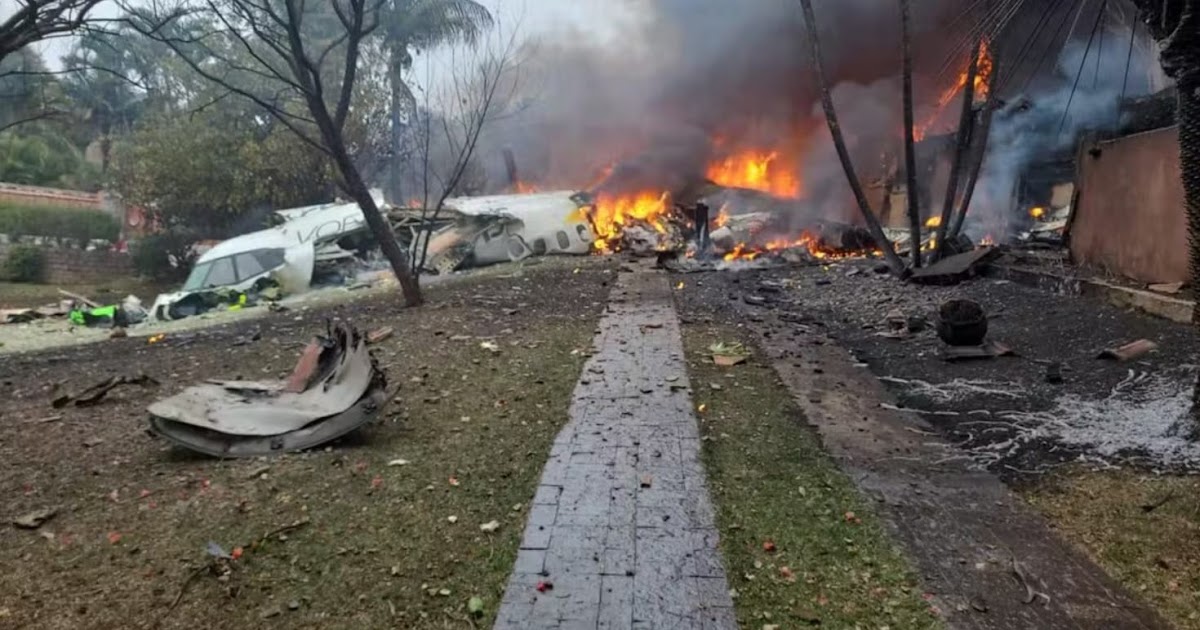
[(534, 19)]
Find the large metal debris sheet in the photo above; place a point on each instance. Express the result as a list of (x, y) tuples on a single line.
[(341, 390)]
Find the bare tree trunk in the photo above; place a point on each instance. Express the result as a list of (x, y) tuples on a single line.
[(966, 124), (835, 130), (395, 173), (1189, 160), (981, 144), (979, 137), (910, 150), (353, 182), (382, 231)]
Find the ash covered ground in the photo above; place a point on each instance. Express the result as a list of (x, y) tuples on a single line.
[(1003, 413)]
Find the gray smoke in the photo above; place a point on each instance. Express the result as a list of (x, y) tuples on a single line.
[(1046, 123), (693, 71), (694, 74)]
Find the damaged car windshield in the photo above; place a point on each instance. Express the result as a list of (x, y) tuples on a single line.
[(233, 269)]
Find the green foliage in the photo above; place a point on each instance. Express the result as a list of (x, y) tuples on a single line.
[(210, 177), (164, 256), (67, 225), (24, 263), (44, 158)]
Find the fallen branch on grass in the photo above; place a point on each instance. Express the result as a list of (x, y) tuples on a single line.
[(219, 565), (1031, 594), (1150, 507)]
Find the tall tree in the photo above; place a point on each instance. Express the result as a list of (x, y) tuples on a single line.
[(835, 130), (910, 152), (101, 87), (300, 65), (1175, 24), (412, 25), (966, 125), (39, 20), (28, 92)]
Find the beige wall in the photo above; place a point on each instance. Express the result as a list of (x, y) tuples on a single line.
[(1130, 217)]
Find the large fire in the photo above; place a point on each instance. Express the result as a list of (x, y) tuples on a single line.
[(983, 82), (757, 170), (611, 214)]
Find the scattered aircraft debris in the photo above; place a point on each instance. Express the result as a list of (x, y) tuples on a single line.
[(94, 394), (1130, 351), (343, 389)]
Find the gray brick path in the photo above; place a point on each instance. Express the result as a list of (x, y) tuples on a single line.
[(622, 525)]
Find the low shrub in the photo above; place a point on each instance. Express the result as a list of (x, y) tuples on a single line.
[(164, 256), (24, 263), (74, 225)]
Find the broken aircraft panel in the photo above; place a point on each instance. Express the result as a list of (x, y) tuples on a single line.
[(245, 419)]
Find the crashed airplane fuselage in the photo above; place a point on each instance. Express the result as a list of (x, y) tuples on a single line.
[(285, 255), (476, 232), (509, 228)]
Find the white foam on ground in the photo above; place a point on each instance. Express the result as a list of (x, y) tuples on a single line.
[(1145, 413)]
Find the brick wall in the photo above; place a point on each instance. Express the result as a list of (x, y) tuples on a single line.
[(41, 196), (74, 266)]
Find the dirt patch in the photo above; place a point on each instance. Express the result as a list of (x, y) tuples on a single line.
[(22, 295), (986, 559), (1145, 530), (464, 441), (801, 546), (1006, 413)]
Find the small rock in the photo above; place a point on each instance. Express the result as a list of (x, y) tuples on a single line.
[(273, 611), (755, 300), (770, 287), (293, 605), (258, 472), (489, 527), (118, 333), (1054, 374), (34, 520)]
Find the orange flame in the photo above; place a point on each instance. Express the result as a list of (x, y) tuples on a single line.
[(610, 215), (1037, 212), (756, 170), (524, 188), (983, 86), (807, 241), (722, 217), (934, 221)]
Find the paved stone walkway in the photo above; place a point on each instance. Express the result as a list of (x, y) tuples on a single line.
[(622, 525)]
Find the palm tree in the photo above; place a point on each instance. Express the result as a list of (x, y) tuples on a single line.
[(101, 87), (839, 143), (412, 25), (1175, 24)]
